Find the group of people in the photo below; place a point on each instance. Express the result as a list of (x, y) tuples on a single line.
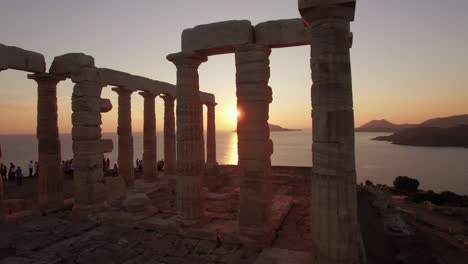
[(16, 172), (67, 166), (139, 165)]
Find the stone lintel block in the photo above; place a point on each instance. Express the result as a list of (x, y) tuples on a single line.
[(86, 133), (105, 105), (20, 59), (314, 10), (282, 33), (333, 158), (70, 63), (107, 145), (217, 38), (86, 119)]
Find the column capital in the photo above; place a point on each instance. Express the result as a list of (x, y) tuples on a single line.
[(46, 77), (121, 90), (148, 95), (210, 104), (319, 11), (187, 59), (167, 98)]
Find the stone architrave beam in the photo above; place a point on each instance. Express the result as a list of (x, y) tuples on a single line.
[(20, 59), (217, 38), (106, 105), (282, 33), (134, 82), (207, 98)]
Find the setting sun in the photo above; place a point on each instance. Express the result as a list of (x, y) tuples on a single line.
[(234, 115)]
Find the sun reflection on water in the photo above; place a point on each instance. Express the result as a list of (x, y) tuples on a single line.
[(233, 157)]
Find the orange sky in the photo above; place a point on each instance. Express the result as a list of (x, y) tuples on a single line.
[(408, 64)]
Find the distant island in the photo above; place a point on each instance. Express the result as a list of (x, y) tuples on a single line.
[(449, 131), (276, 128), (386, 126), (382, 126), (430, 137)]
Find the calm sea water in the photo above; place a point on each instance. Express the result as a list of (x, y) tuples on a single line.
[(436, 168)]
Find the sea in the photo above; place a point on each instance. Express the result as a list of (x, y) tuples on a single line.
[(436, 168)]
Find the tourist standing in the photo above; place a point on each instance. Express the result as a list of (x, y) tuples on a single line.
[(19, 176), (3, 171), (36, 168), (31, 167)]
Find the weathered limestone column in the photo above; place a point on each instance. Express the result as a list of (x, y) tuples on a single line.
[(190, 161), (50, 183), (335, 228), (202, 128), (150, 166), (211, 136), (254, 144), (90, 191), (124, 131), (169, 136)]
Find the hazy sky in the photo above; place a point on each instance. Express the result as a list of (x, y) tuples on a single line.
[(409, 59)]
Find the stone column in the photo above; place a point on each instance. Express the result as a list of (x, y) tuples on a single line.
[(50, 182), (336, 236), (202, 128), (169, 136), (2, 210), (211, 136), (150, 166), (189, 157), (254, 144), (124, 131), (90, 191)]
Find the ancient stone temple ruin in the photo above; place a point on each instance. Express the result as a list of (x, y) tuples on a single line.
[(325, 27)]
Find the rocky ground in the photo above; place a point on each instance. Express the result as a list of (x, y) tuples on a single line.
[(392, 233)]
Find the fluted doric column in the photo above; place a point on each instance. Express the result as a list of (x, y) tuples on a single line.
[(254, 144), (169, 136), (190, 161), (336, 236), (89, 187), (211, 136), (124, 131), (50, 182), (150, 166), (202, 128)]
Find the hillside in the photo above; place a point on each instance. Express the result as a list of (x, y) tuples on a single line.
[(430, 137), (446, 122), (382, 126)]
